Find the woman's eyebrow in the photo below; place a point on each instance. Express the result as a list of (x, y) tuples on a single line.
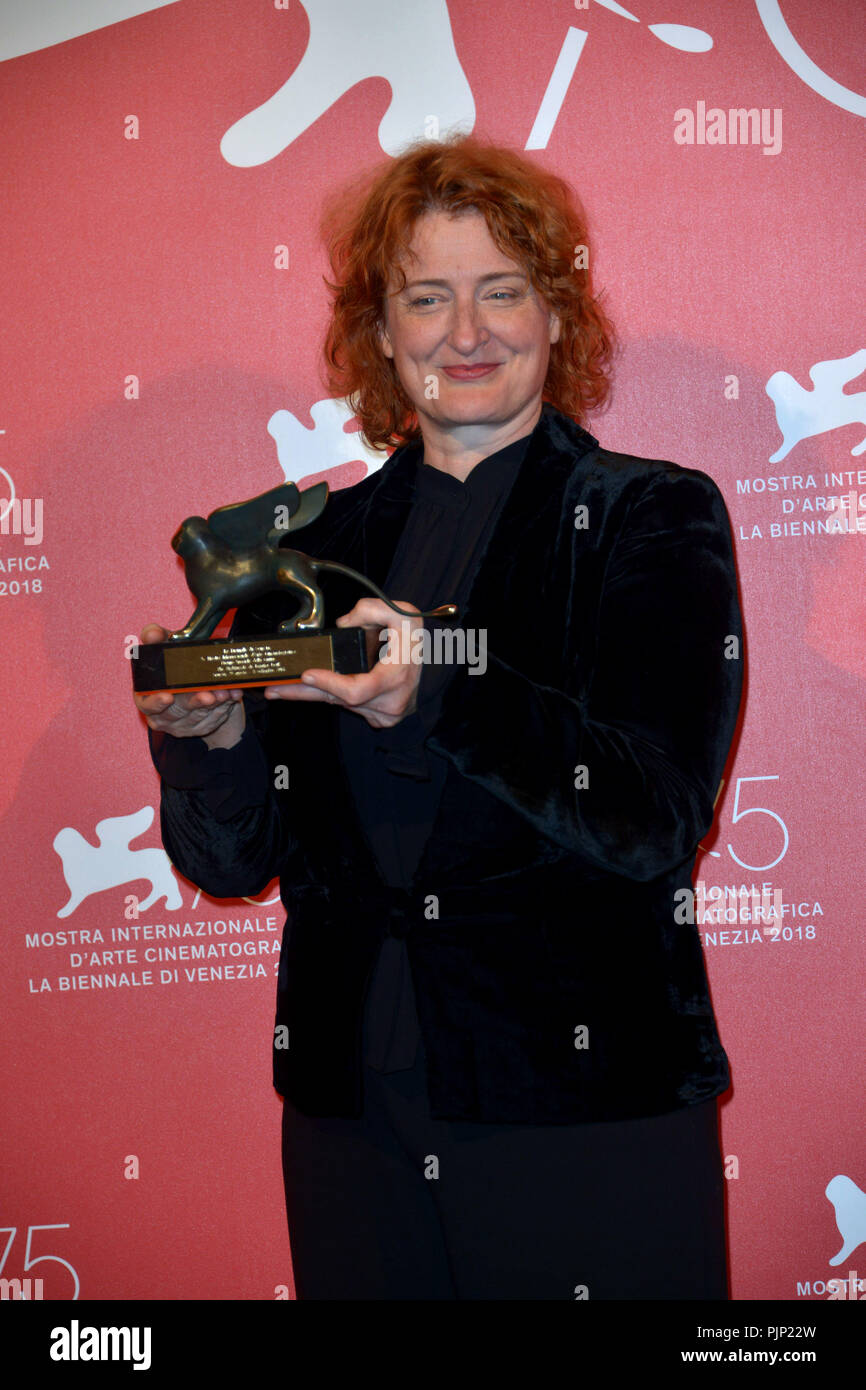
[(493, 275)]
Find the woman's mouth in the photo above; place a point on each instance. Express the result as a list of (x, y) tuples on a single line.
[(470, 373)]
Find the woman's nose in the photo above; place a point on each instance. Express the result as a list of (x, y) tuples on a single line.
[(468, 329)]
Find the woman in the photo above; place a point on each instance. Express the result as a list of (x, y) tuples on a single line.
[(495, 1044)]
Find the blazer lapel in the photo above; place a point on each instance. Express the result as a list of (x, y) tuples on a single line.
[(368, 540), (507, 597)]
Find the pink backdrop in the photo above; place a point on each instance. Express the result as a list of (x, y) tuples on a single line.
[(164, 304)]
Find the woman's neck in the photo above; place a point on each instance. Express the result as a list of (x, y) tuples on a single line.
[(457, 451)]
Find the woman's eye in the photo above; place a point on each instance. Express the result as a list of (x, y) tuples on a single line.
[(422, 301), (504, 294)]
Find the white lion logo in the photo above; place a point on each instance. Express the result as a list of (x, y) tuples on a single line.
[(303, 452), (411, 46), (801, 413), (850, 1206), (93, 868)]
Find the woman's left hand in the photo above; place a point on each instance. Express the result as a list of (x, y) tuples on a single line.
[(382, 696)]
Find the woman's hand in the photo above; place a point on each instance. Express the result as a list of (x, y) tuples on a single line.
[(217, 716), (382, 696)]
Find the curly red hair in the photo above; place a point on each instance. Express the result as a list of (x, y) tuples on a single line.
[(533, 217)]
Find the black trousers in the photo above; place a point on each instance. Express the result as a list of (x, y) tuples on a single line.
[(395, 1205)]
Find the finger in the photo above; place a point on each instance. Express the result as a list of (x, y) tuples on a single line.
[(187, 721), (215, 695), (372, 612), (157, 703), (368, 612), (295, 690), (182, 703), (188, 701), (152, 632), (354, 690)]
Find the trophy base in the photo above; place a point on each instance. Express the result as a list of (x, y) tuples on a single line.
[(239, 663)]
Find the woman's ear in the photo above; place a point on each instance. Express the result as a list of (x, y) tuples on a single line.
[(555, 327), (384, 340)]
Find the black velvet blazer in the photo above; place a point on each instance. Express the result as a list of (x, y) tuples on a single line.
[(553, 982)]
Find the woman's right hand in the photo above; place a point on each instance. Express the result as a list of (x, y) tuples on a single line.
[(217, 716)]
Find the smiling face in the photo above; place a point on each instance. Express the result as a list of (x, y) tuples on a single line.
[(469, 337)]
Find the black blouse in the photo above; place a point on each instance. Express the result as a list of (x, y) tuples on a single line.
[(396, 782)]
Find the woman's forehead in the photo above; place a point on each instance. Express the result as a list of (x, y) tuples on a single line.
[(440, 236)]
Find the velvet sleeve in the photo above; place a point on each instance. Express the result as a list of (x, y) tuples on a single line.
[(621, 766), (223, 822)]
